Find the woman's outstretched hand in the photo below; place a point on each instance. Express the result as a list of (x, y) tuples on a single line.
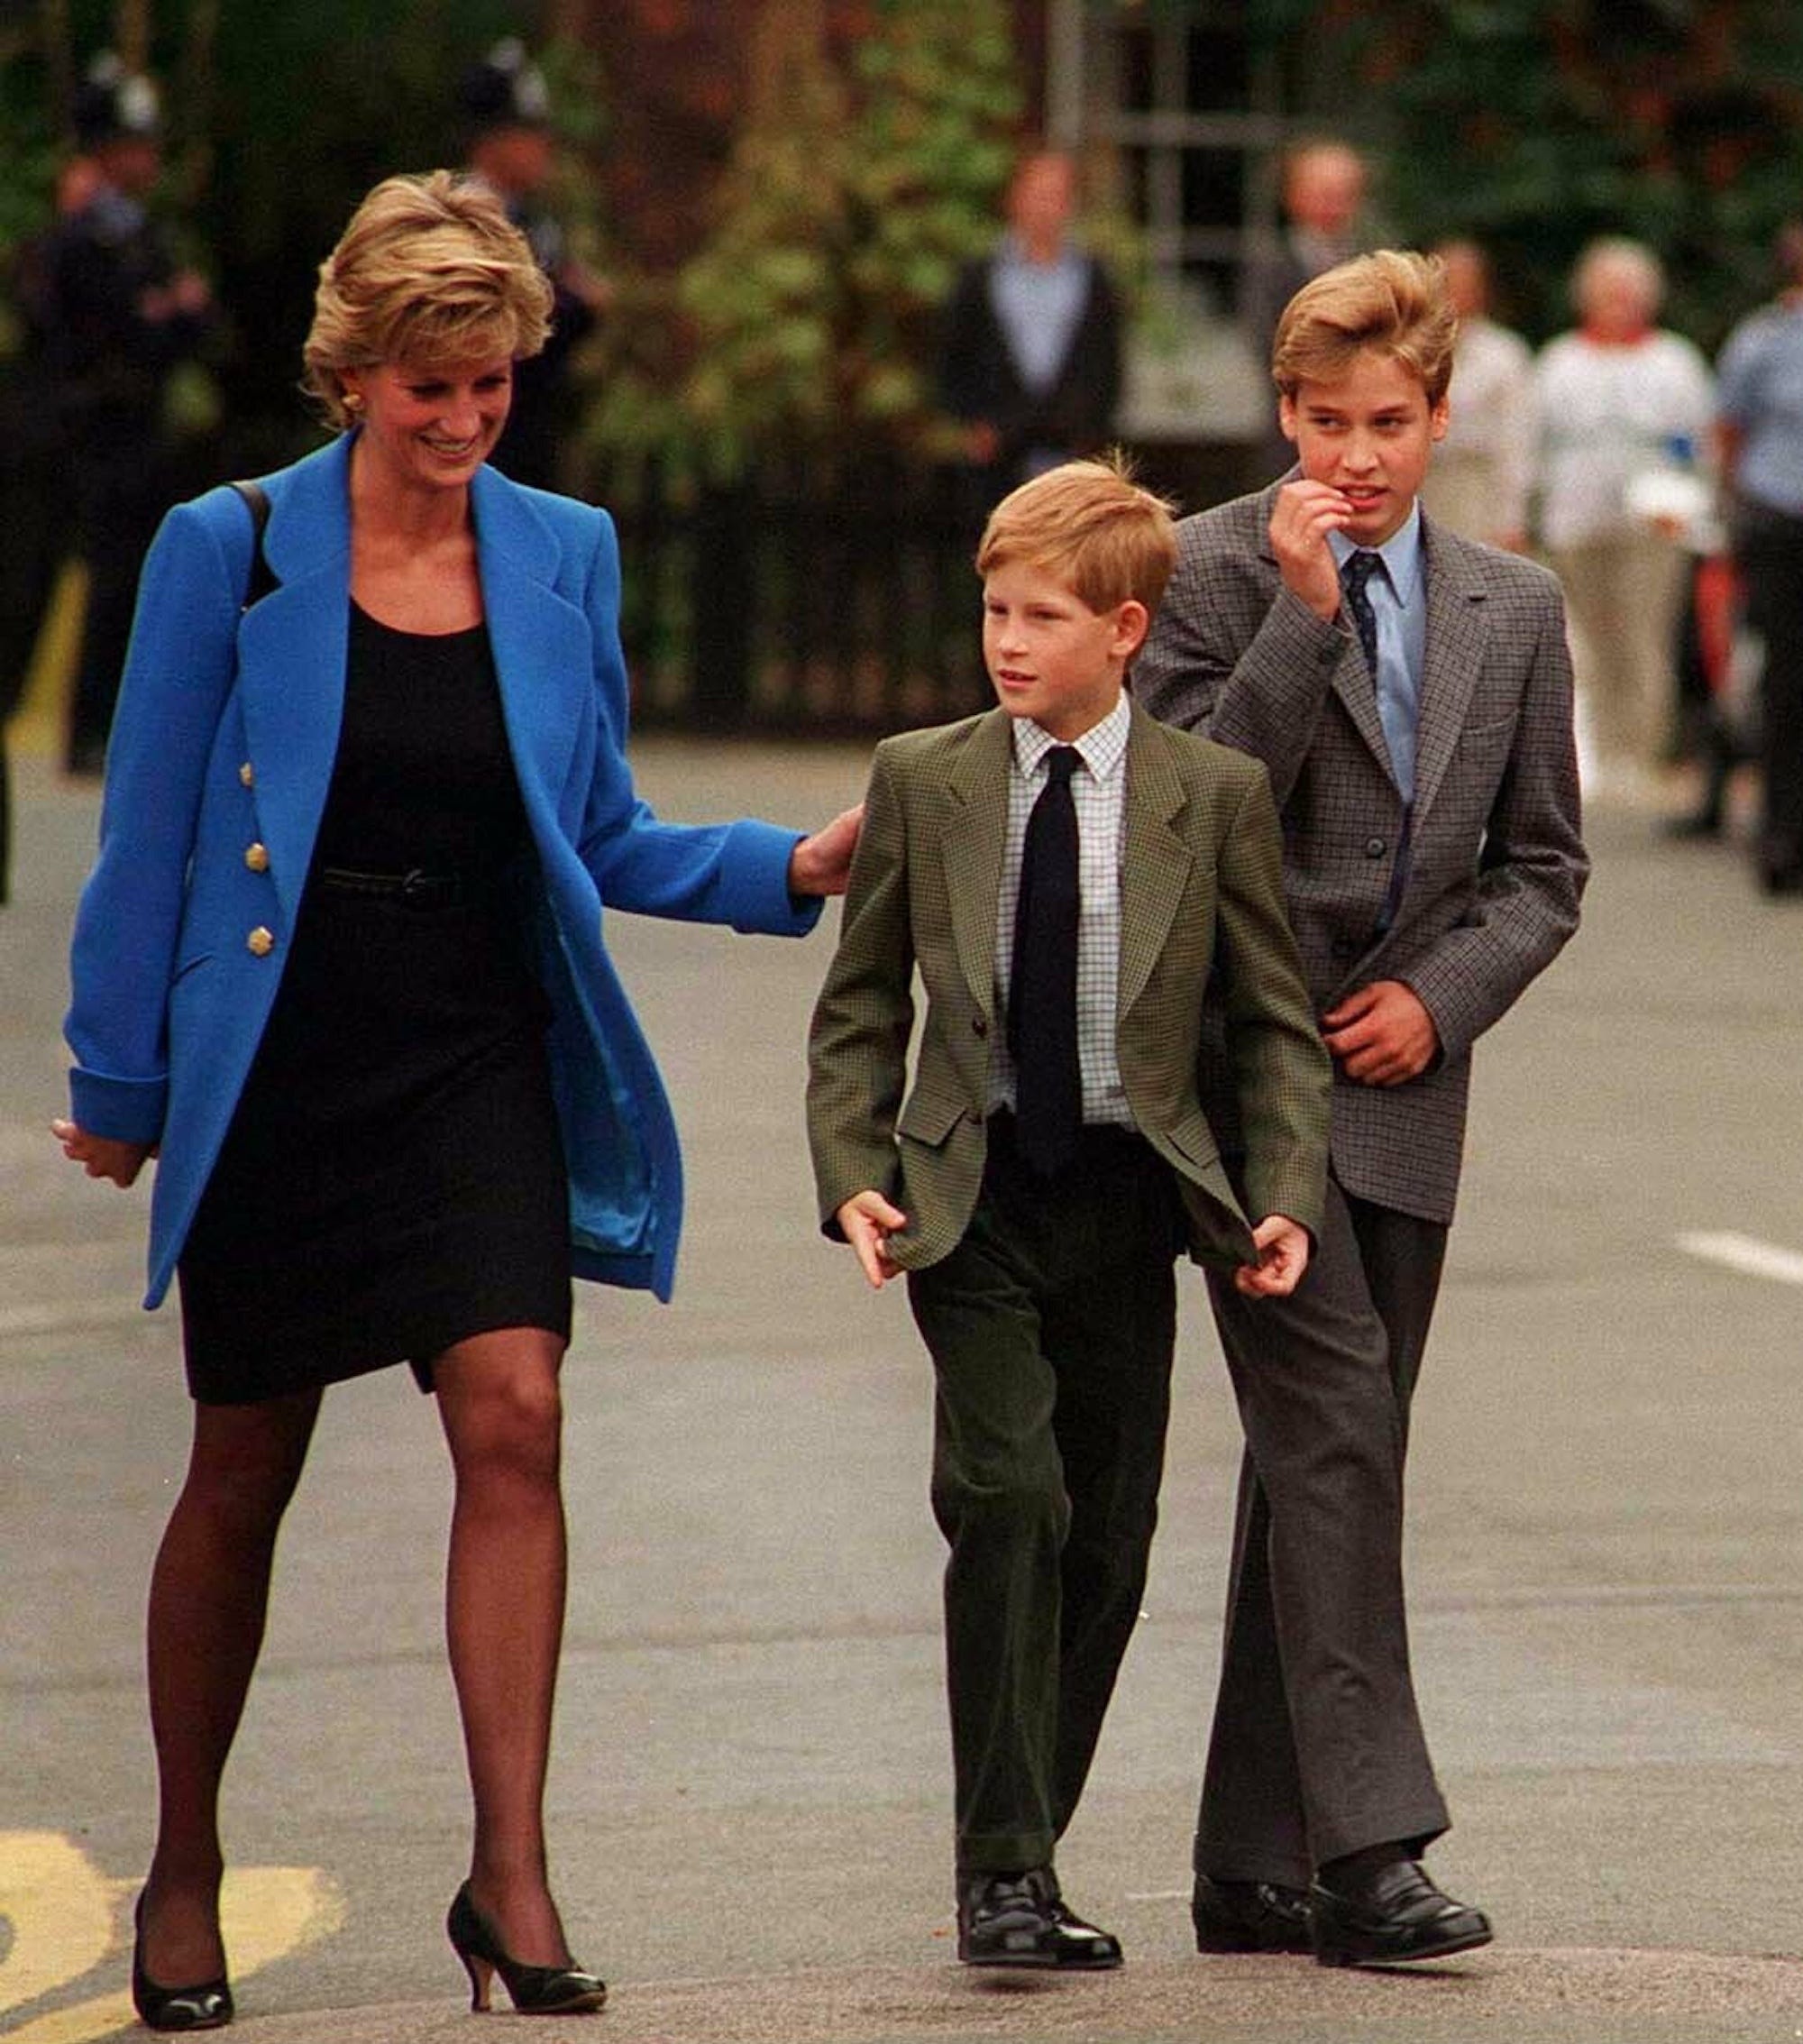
[(821, 864)]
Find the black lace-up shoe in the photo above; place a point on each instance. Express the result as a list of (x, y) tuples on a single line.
[(1021, 1919)]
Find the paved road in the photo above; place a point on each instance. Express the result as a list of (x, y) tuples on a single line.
[(749, 1791)]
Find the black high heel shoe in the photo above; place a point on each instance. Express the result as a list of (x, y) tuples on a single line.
[(534, 1990), (205, 2007)]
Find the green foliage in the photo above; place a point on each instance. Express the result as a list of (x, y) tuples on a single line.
[(280, 118), (860, 180), (1535, 124)]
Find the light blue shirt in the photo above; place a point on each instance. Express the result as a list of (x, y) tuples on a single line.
[(1761, 391), (1398, 594), (1039, 306)]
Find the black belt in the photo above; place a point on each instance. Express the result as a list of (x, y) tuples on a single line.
[(416, 889)]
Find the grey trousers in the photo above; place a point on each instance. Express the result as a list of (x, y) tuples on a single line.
[(1317, 1748)]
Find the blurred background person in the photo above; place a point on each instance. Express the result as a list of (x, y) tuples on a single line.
[(512, 147), (1324, 183), (1619, 399), (1322, 196), (120, 314), (1478, 480), (1761, 437), (37, 509), (1030, 345)]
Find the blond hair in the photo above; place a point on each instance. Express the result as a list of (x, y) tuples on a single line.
[(1395, 301), (1093, 527), (430, 270)]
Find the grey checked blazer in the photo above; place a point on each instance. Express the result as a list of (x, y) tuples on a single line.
[(1497, 863), (1200, 910)]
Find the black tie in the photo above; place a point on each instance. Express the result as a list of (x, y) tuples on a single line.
[(1042, 993), (1359, 570)]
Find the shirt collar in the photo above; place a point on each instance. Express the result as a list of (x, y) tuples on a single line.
[(1102, 747), (1010, 253), (1400, 554)]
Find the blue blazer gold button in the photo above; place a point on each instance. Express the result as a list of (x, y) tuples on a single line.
[(261, 941), (247, 774), (257, 857)]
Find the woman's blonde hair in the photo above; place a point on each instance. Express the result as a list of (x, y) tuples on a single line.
[(1394, 301), (430, 270), (1089, 526)]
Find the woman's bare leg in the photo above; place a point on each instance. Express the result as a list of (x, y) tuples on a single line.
[(209, 1596)]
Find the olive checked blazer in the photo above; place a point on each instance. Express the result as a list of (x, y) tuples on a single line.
[(1200, 906), (1497, 864), (216, 776)]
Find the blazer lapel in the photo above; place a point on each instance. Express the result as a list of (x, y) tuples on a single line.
[(291, 653), (976, 827), (545, 656), (294, 643), (1456, 633), (1155, 861)]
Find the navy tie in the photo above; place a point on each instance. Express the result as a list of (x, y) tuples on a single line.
[(1356, 575), (1358, 572), (1042, 991)]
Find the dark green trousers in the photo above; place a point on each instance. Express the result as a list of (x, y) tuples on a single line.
[(1051, 1327)]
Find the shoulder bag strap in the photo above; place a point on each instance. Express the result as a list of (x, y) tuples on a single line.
[(261, 579)]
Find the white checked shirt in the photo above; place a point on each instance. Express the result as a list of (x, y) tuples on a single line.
[(1098, 790)]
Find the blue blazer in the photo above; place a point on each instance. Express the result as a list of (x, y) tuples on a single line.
[(216, 775)]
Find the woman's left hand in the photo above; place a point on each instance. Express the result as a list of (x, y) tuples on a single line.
[(821, 864), (102, 1156)]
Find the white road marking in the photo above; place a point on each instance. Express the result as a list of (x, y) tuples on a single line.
[(1748, 1255)]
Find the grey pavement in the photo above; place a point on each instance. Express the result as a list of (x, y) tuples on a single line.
[(748, 1801)]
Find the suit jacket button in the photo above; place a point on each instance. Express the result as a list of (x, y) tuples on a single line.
[(979, 1026), (1343, 947), (1375, 848), (261, 941), (247, 774), (257, 857)]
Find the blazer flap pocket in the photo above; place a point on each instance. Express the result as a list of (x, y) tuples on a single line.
[(1193, 1137), (930, 1117), (187, 963)]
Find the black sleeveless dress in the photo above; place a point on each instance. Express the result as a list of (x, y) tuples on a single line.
[(393, 1178)]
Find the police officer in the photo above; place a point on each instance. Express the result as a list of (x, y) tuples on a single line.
[(510, 148), (121, 315)]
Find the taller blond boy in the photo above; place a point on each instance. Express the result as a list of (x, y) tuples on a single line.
[(1409, 694)]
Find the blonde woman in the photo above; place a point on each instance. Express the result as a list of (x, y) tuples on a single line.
[(340, 965)]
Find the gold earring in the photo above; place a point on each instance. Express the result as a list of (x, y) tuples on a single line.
[(352, 401)]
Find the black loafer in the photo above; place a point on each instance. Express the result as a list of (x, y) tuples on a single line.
[(1021, 1920), (1249, 1916), (1396, 1915)]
